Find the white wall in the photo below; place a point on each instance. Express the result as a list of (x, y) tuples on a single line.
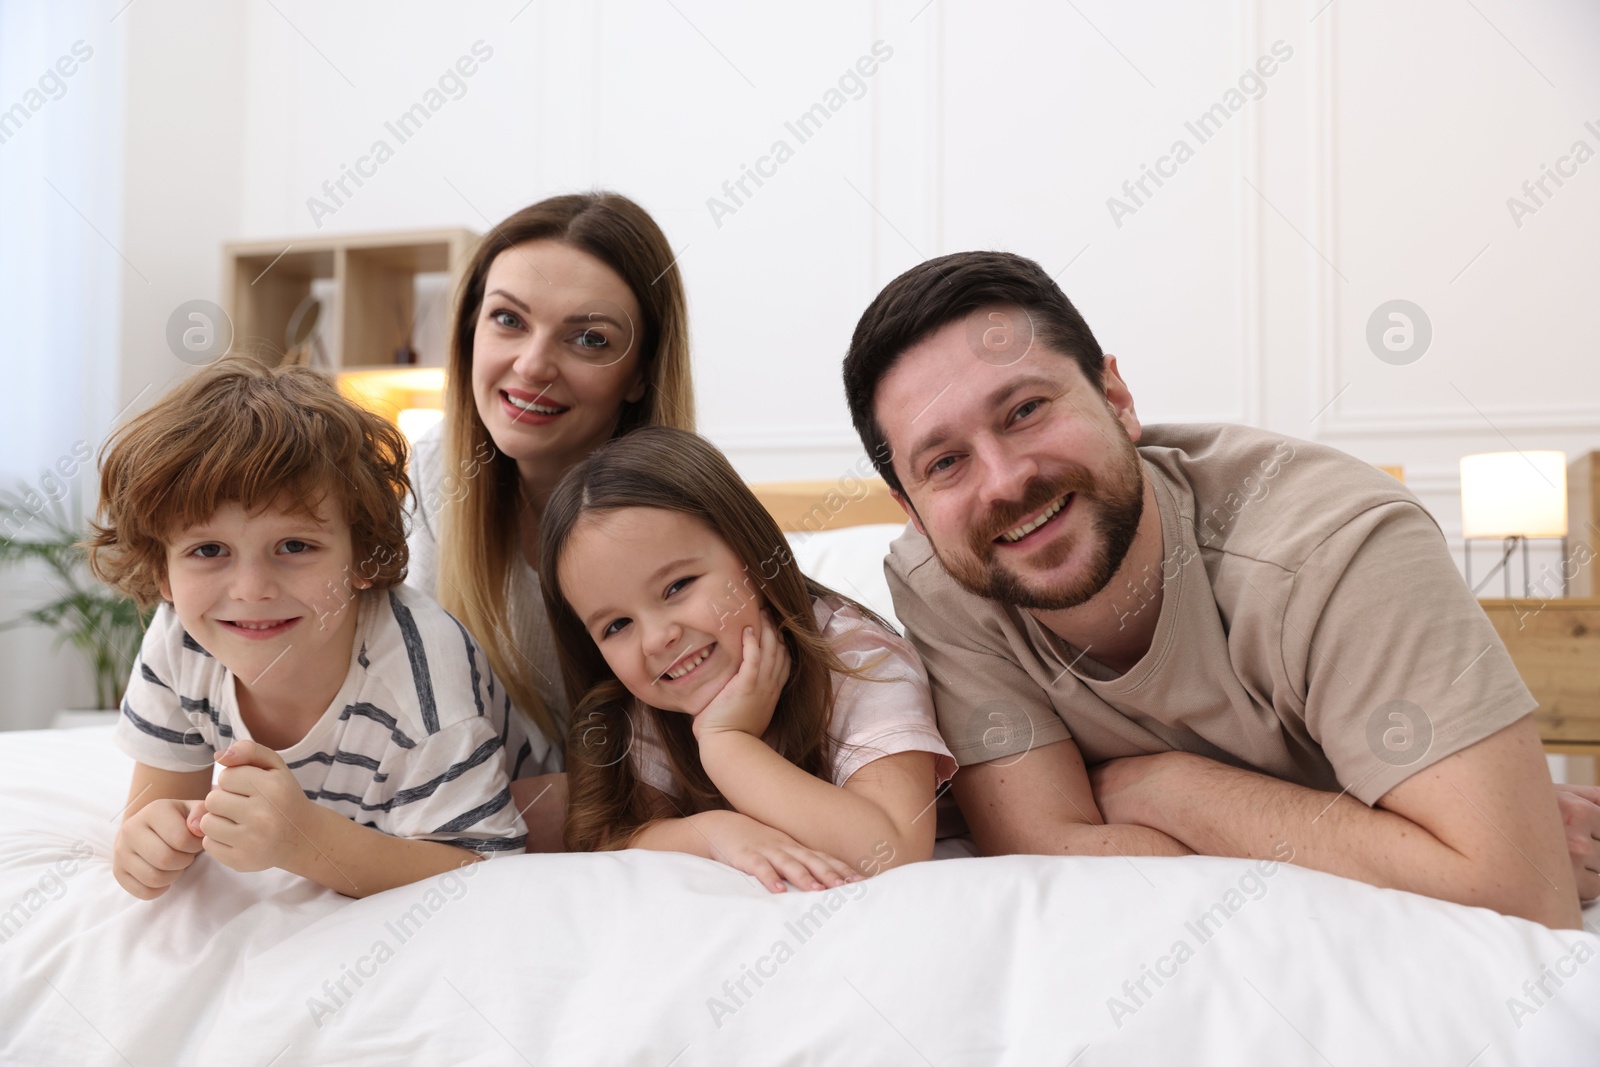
[(183, 172), (1377, 165)]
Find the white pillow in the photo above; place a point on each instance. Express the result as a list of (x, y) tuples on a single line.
[(850, 561)]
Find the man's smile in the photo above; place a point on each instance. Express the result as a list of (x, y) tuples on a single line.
[(1040, 520)]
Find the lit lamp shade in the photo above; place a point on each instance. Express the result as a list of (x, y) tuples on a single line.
[(409, 397), (1514, 494)]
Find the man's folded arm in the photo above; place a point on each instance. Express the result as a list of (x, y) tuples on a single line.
[(1465, 829), (1416, 705), (1039, 802)]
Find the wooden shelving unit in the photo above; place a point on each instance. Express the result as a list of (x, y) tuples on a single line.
[(368, 285)]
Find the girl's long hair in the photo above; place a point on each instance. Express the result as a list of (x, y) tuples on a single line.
[(676, 471), (479, 536)]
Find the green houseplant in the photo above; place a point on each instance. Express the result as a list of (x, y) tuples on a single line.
[(100, 622)]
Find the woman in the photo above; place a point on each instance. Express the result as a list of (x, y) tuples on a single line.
[(571, 328)]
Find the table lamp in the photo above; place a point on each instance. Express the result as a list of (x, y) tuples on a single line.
[(1512, 497)]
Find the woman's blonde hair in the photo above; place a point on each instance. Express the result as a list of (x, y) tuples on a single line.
[(682, 472), (479, 546)]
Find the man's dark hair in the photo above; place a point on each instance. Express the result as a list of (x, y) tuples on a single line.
[(940, 291)]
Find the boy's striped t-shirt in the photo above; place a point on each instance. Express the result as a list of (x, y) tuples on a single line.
[(420, 742)]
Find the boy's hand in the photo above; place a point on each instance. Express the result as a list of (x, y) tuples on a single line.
[(747, 701), (154, 847), (254, 815)]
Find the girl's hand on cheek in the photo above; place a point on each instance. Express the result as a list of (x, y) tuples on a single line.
[(747, 701)]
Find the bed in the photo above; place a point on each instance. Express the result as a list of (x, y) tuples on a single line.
[(658, 959)]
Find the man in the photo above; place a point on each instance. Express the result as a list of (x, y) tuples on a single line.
[(1259, 645)]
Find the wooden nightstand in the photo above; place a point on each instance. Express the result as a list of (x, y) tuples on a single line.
[(1556, 647)]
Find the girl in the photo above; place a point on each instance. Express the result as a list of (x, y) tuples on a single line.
[(570, 328), (730, 706)]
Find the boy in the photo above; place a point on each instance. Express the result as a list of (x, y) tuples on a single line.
[(362, 738)]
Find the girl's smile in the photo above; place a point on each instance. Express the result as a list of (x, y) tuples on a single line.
[(687, 665), (664, 599)]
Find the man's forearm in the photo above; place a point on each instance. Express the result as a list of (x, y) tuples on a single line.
[(1108, 839), (1043, 806), (1065, 838), (1065, 831), (1219, 810)]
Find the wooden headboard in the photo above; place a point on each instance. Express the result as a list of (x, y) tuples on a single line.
[(828, 505), (818, 505), (850, 501)]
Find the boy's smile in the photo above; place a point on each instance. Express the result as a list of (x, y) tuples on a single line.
[(260, 630), (272, 595)]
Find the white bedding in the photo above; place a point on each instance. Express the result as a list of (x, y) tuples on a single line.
[(616, 958)]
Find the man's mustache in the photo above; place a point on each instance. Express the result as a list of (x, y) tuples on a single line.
[(1037, 495)]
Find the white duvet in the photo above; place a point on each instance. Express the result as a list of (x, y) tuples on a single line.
[(655, 959)]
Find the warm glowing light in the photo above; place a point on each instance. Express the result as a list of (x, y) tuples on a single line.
[(1514, 494), (414, 422)]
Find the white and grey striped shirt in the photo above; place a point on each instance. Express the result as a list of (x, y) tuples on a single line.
[(420, 741)]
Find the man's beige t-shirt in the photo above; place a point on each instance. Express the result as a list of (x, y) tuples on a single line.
[(1312, 627)]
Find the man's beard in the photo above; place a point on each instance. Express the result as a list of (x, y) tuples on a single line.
[(1118, 502)]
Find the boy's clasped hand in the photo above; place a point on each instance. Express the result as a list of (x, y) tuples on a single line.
[(247, 821)]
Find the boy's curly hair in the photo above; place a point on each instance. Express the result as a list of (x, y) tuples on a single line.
[(242, 432)]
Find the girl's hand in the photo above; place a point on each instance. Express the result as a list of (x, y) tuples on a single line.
[(770, 856), (747, 701), (154, 846)]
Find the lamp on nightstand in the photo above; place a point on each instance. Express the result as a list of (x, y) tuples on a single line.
[(1513, 497)]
